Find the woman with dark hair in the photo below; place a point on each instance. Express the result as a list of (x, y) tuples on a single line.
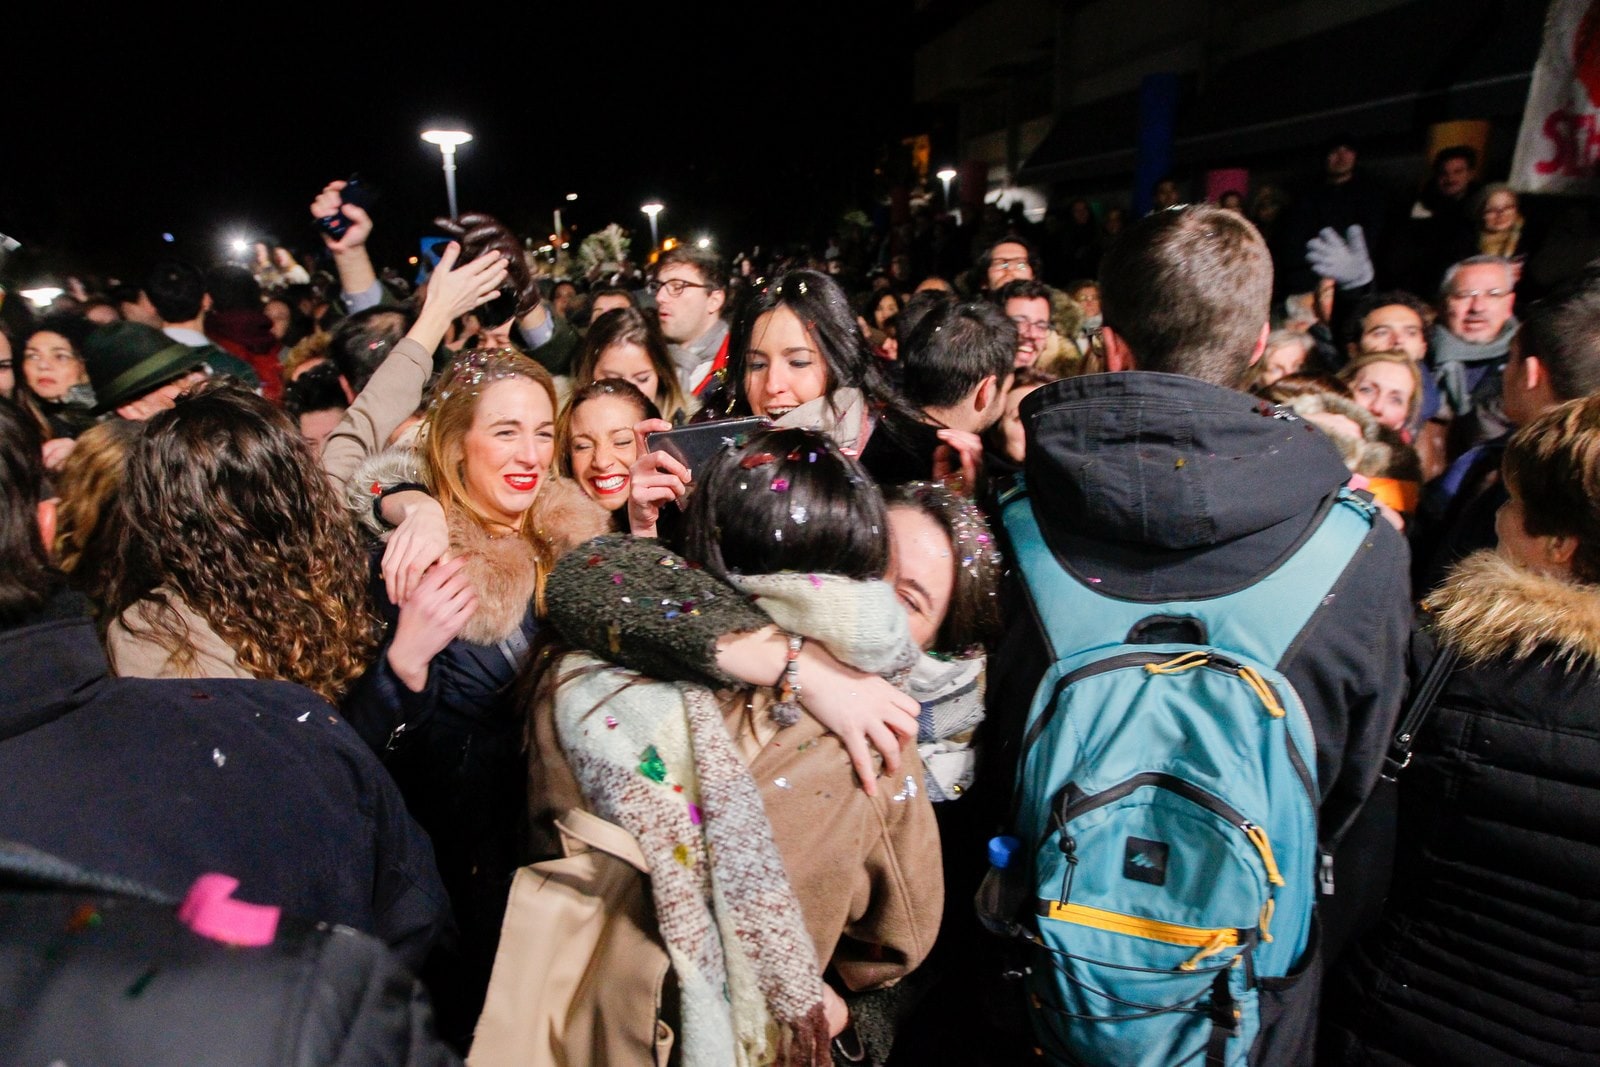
[(625, 344), (879, 310), (595, 441), (1488, 951), (796, 356), (54, 382), (238, 560), (740, 804)]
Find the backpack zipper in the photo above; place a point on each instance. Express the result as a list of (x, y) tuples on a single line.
[(1208, 941), (1071, 807)]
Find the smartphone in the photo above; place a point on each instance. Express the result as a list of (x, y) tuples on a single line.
[(355, 191), (694, 445)]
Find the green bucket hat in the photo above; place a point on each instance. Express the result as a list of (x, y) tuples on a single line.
[(126, 360)]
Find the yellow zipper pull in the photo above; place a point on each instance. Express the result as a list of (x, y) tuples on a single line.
[(1179, 664), (1258, 838), (1266, 918), (1263, 691), (1221, 940)]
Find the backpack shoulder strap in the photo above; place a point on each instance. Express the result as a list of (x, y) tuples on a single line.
[(1261, 620)]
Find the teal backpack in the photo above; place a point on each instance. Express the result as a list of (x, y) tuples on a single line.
[(1165, 853)]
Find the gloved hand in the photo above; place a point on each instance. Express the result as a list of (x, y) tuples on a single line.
[(1345, 260)]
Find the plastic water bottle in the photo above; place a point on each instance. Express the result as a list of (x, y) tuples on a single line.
[(1003, 890)]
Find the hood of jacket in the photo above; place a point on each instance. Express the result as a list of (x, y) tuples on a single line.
[(1134, 472), (1491, 608)]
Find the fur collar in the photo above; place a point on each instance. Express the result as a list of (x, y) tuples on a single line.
[(1491, 608), (503, 571), (506, 570)]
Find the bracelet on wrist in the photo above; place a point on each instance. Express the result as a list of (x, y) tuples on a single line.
[(382, 492), (786, 710)]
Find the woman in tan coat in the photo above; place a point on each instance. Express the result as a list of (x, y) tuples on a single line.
[(769, 865)]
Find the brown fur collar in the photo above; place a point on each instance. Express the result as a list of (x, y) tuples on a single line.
[(506, 570), (1491, 608)]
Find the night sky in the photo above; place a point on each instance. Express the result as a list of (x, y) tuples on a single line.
[(751, 122)]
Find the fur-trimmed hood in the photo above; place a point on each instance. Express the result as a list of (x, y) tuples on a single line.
[(504, 570), (1490, 607), (1377, 453)]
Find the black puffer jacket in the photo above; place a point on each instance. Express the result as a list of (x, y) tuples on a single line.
[(1489, 952), (97, 970)]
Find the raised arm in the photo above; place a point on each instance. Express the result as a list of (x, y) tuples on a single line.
[(395, 389)]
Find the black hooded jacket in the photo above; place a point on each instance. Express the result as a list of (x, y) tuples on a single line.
[(162, 781), (1159, 487)]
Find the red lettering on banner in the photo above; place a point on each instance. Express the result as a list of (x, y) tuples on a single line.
[(1575, 140)]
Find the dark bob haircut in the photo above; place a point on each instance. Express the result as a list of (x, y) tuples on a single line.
[(786, 500)]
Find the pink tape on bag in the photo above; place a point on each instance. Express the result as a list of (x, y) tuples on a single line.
[(210, 911)]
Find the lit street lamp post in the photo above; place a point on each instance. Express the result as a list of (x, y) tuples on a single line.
[(653, 208), (447, 140), (947, 176)]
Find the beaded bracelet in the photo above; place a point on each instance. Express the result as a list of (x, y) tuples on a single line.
[(786, 711)]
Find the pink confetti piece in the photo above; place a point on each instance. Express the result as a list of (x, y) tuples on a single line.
[(210, 911), (694, 814)]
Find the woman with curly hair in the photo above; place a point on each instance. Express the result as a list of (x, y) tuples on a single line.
[(237, 560)]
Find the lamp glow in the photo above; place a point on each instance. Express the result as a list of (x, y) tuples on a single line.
[(448, 140)]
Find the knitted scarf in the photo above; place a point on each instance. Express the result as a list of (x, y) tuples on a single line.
[(657, 759), (1460, 363)]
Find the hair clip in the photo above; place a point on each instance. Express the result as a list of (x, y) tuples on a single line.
[(757, 459)]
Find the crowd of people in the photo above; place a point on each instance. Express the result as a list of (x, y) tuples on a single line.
[(646, 660)]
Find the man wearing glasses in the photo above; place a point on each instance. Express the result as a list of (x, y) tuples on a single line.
[(691, 287), (1009, 259), (1027, 305), (1469, 346)]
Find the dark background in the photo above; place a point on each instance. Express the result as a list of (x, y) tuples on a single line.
[(751, 122)]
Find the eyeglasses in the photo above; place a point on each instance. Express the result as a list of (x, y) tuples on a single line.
[(1471, 294), (1011, 265), (675, 286), (1031, 326)]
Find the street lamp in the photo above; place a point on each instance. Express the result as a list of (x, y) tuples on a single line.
[(653, 208), (447, 140), (947, 175)]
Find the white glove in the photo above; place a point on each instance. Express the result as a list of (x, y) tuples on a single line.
[(1345, 260)]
